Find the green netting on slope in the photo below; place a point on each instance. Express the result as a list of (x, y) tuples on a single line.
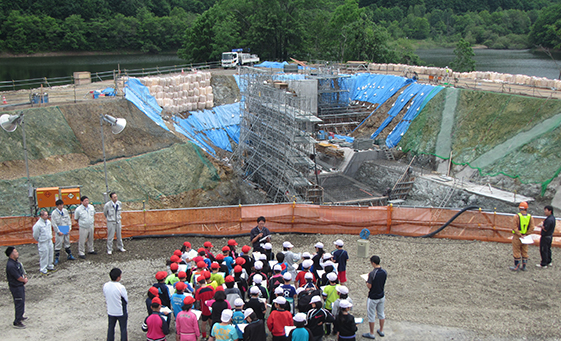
[(170, 171), (47, 134), (485, 122)]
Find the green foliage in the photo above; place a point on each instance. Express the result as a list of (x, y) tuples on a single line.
[(464, 61), (547, 28)]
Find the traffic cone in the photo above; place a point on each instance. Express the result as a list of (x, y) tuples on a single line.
[(4, 100)]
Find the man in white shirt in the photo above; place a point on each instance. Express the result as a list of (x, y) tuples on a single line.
[(84, 215), (61, 217), (112, 212), (43, 234), (117, 300)]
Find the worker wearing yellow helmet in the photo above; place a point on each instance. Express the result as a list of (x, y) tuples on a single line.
[(523, 225)]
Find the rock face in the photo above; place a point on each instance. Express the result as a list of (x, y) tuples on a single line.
[(429, 193)]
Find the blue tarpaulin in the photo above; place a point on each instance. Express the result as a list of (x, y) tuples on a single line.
[(140, 96), (212, 127), (414, 110), (273, 65), (403, 99), (108, 91)]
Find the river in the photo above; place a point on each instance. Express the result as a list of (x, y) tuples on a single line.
[(505, 61)]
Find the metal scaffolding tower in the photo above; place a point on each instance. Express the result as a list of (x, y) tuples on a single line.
[(276, 137)]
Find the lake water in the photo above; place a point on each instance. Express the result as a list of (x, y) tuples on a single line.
[(505, 61), (39, 67)]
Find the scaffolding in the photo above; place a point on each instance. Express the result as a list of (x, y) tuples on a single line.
[(276, 137)]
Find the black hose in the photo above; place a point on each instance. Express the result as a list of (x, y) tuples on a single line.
[(448, 222)]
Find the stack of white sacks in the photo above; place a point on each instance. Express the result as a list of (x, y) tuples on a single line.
[(480, 76), (181, 93)]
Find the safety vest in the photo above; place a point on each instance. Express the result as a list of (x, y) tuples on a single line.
[(524, 222)]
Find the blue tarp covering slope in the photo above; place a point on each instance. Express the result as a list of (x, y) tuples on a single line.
[(414, 110), (212, 127), (403, 99), (140, 96)]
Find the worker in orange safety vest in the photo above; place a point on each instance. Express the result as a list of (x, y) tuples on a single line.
[(523, 225)]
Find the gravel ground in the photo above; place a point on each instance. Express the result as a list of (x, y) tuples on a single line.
[(436, 289)]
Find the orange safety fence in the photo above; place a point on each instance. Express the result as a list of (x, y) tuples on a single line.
[(291, 218)]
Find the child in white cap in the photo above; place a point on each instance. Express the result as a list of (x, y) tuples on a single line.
[(224, 331), (330, 295), (278, 319), (290, 258), (340, 257), (343, 293), (238, 316), (289, 291), (300, 333), (255, 329), (317, 317), (345, 322)]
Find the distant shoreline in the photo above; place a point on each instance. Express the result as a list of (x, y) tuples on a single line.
[(76, 53)]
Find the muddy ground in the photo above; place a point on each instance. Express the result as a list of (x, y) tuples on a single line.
[(436, 289)]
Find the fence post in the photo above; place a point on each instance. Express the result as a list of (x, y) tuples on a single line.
[(389, 219), (14, 85), (240, 206)]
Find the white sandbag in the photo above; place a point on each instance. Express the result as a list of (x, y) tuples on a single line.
[(202, 98), (201, 105), (196, 92), (199, 77), (208, 104), (210, 97)]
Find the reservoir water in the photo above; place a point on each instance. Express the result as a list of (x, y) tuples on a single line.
[(505, 61), (64, 66)]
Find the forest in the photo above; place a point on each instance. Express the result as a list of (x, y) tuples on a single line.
[(331, 30)]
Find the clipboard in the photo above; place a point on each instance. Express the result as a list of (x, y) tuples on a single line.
[(364, 277), (527, 239), (287, 329), (64, 229)]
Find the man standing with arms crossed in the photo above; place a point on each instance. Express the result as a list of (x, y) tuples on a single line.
[(117, 299), (16, 280), (112, 212), (548, 227), (61, 218), (43, 234), (376, 297), (523, 225), (84, 215)]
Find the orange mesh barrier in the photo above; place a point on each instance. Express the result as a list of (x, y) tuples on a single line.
[(292, 218)]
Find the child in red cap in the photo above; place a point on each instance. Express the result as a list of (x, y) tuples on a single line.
[(172, 278), (203, 294), (208, 245), (155, 326), (228, 259), (186, 323), (248, 259), (232, 246), (162, 288), (215, 275)]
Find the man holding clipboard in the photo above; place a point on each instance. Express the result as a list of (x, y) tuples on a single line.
[(62, 224)]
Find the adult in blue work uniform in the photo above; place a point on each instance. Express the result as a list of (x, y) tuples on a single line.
[(16, 280), (259, 232), (548, 227)]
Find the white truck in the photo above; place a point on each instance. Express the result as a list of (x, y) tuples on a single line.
[(238, 58)]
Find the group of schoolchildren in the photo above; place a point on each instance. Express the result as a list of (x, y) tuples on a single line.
[(239, 295)]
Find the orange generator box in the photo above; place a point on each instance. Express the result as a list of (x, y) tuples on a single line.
[(47, 196), (70, 196)]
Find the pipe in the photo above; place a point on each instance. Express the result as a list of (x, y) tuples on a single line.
[(448, 222)]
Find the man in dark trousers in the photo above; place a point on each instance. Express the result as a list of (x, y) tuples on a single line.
[(259, 232), (17, 278), (548, 227), (376, 297), (117, 299)]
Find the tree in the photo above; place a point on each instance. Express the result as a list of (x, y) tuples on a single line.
[(547, 29), (464, 61)]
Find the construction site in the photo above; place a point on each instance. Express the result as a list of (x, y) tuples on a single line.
[(324, 152)]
